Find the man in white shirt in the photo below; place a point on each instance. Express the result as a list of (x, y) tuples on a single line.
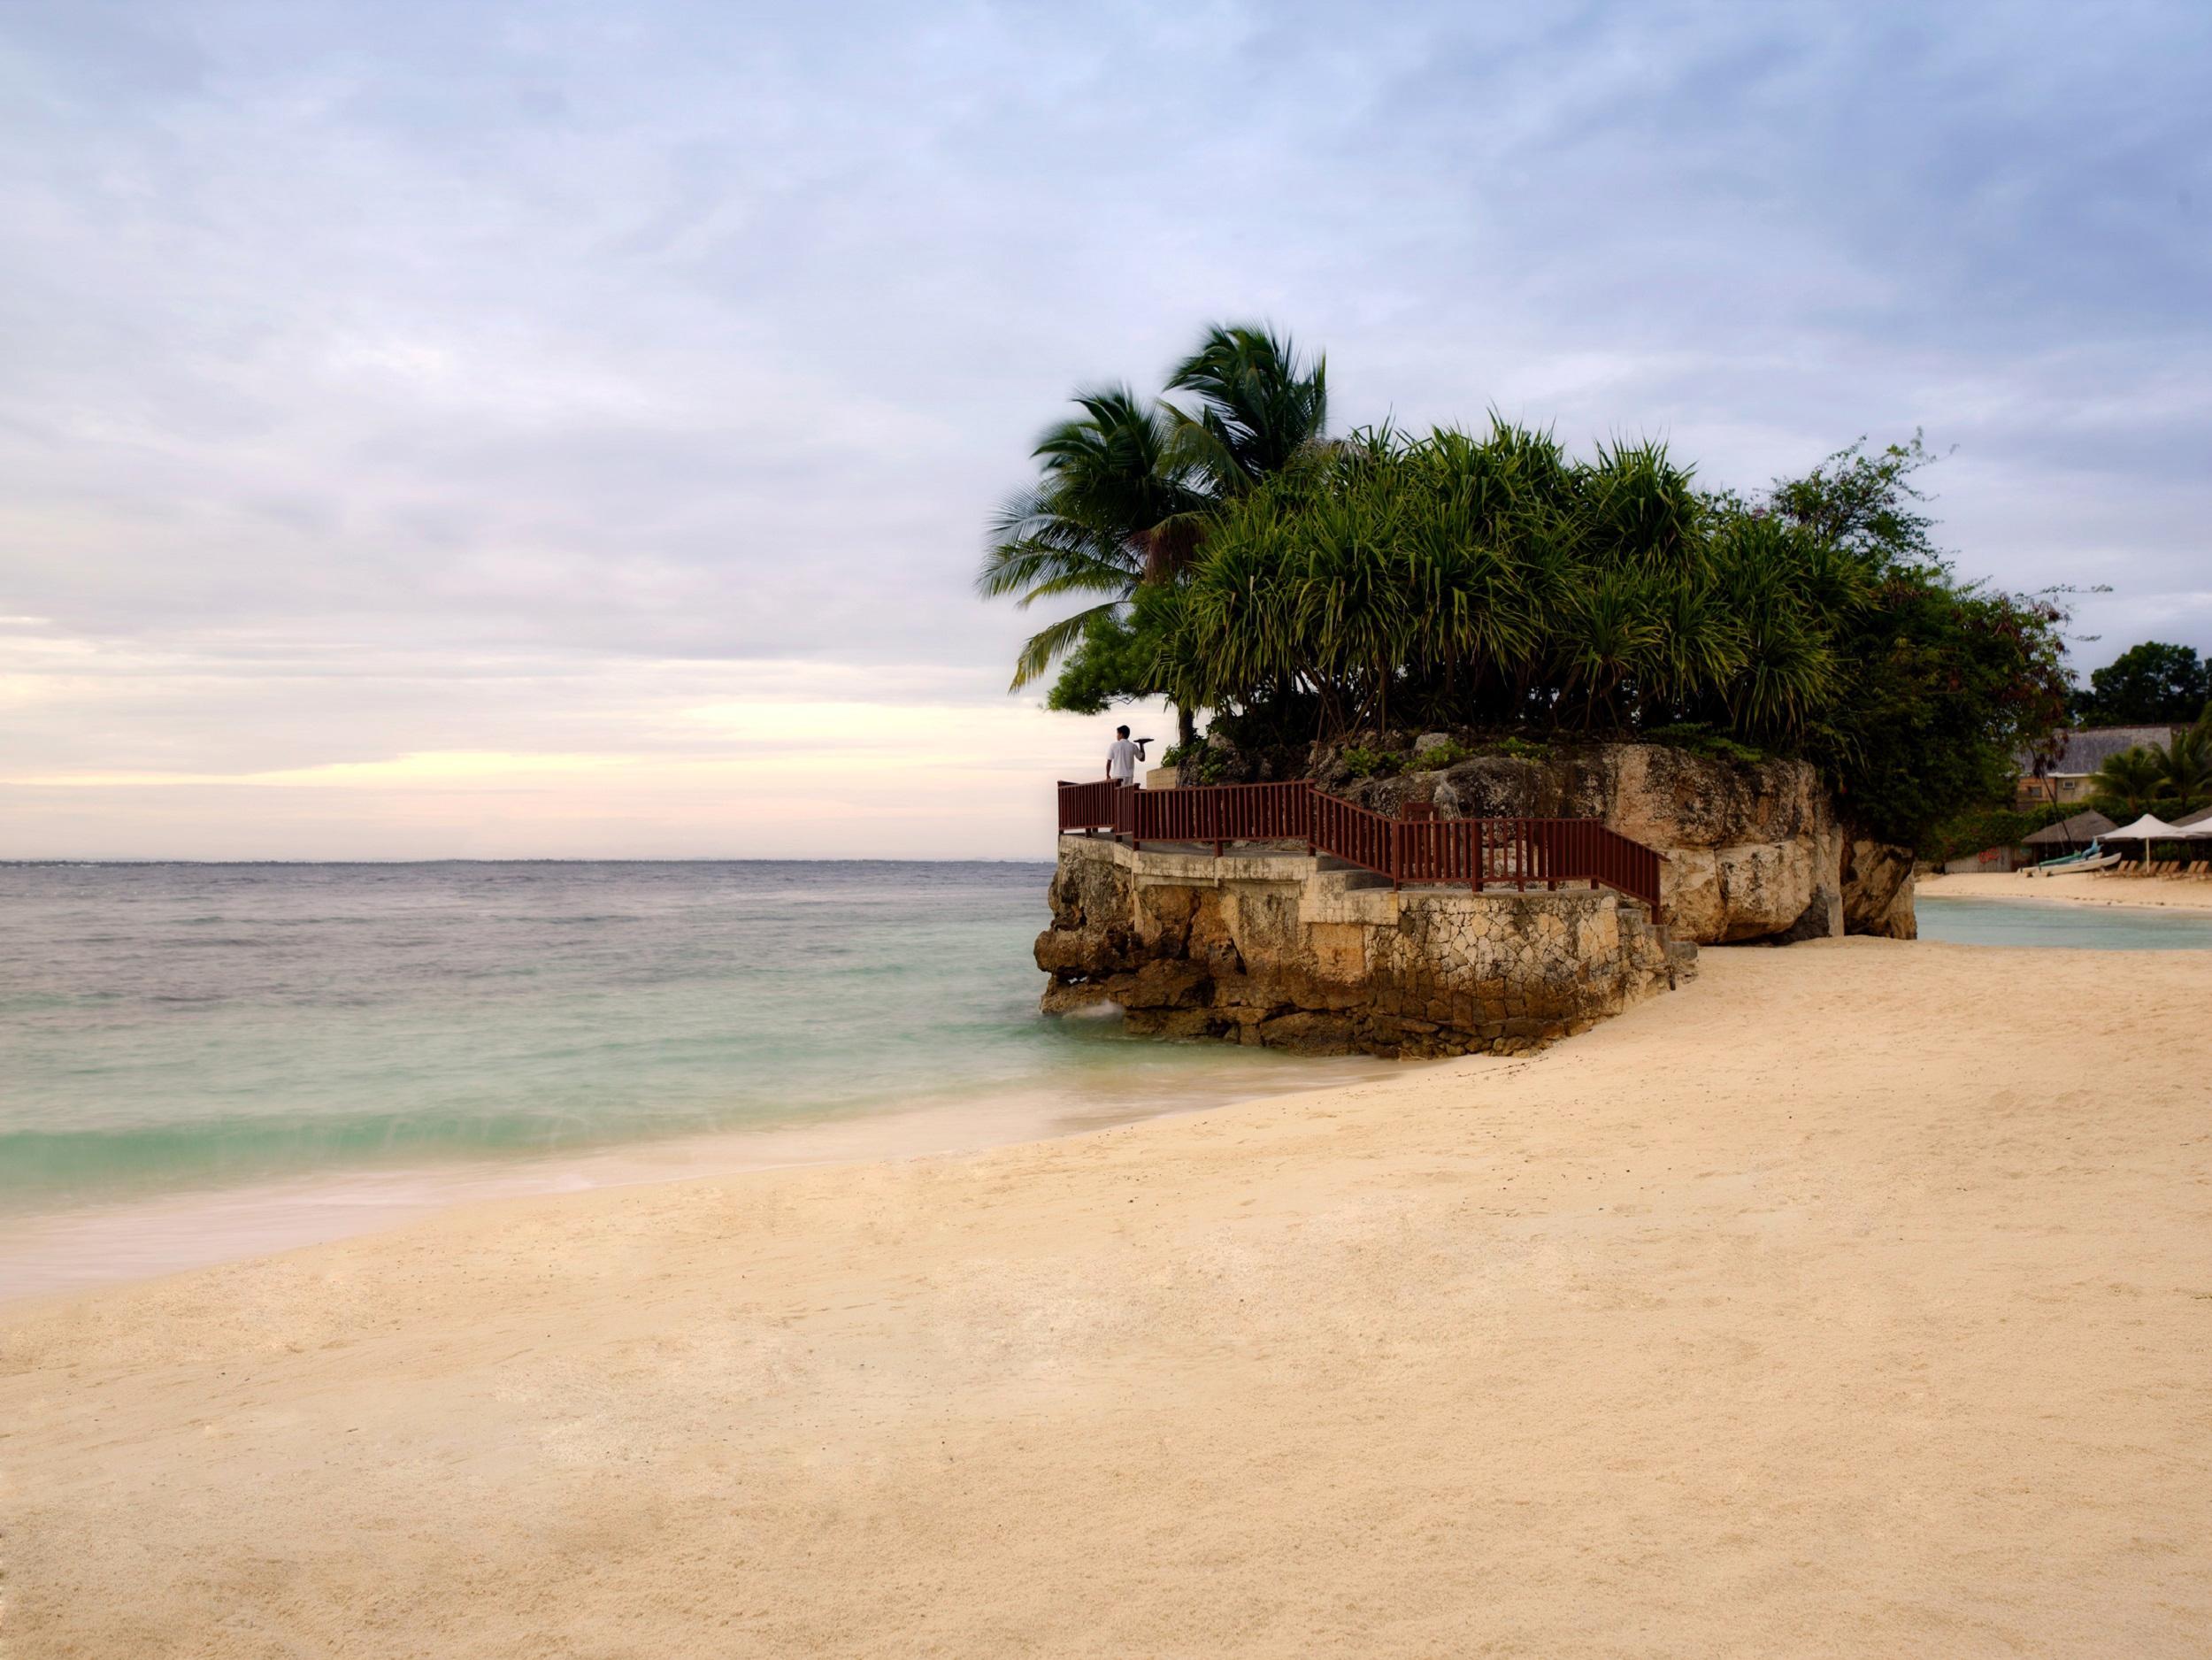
[(1122, 758)]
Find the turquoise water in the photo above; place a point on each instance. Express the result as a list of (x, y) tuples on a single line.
[(185, 1026), (2080, 927)]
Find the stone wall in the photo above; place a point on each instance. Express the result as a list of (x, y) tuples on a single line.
[(1275, 950), (1754, 849)]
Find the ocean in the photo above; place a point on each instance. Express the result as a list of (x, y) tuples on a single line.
[(201, 1059), (2056, 923)]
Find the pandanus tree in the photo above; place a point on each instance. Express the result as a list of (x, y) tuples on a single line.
[(1123, 489), (1487, 577)]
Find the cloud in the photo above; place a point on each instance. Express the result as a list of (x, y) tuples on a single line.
[(412, 379)]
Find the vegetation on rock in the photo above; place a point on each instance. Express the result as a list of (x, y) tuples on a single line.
[(1306, 590)]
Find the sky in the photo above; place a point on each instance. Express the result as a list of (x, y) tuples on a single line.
[(546, 430)]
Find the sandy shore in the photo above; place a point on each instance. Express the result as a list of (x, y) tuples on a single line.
[(1856, 1299), (81, 1249), (2089, 887)]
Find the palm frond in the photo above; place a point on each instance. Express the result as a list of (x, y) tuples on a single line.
[(1042, 648)]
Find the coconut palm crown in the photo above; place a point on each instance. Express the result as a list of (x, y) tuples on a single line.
[(1123, 488), (1259, 406)]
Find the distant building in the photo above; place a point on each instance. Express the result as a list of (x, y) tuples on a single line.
[(2066, 778)]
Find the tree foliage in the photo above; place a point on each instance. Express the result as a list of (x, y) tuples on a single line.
[(1258, 406), (2128, 785), (1123, 488), (1109, 507), (1302, 589), (1493, 580), (1115, 660), (2147, 684), (1945, 684), (2170, 781), (1996, 826)]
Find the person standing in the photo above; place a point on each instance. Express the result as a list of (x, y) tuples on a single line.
[(1122, 756)]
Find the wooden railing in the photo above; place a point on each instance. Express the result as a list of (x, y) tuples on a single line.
[(1479, 852), (1087, 806)]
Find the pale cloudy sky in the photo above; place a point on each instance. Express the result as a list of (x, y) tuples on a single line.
[(546, 429)]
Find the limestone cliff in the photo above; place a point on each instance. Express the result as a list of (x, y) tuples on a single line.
[(1878, 890), (1754, 849)]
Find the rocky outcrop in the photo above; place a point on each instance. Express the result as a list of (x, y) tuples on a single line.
[(1877, 889), (1754, 848), (1278, 949)]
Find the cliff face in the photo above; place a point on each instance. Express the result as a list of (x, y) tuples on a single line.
[(1275, 950), (1754, 848), (1878, 890)]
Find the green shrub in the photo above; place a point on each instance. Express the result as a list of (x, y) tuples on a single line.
[(1699, 739), (1521, 748), (1361, 762), (1196, 761), (1982, 827)]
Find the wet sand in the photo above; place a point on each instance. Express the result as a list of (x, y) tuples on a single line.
[(1855, 1299), (85, 1246)]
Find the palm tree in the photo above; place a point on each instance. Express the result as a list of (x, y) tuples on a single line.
[(2127, 784), (2185, 765), (1259, 407), (1125, 488), (1111, 511)]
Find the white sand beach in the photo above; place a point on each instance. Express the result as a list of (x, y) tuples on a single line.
[(2087, 887), (1854, 1299)]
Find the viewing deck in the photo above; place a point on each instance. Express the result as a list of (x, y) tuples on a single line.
[(1473, 853)]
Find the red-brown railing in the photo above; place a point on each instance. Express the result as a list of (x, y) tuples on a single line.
[(1087, 806), (1355, 834), (1480, 852)]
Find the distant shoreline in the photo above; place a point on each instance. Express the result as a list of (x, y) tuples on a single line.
[(2086, 888)]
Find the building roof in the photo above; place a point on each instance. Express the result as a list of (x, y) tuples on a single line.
[(2079, 831), (2193, 820), (2082, 753)]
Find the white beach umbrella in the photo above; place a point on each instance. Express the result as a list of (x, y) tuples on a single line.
[(2147, 830)]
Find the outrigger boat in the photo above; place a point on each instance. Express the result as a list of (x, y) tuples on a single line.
[(2090, 858)]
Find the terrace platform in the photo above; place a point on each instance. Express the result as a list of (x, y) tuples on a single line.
[(1268, 943)]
